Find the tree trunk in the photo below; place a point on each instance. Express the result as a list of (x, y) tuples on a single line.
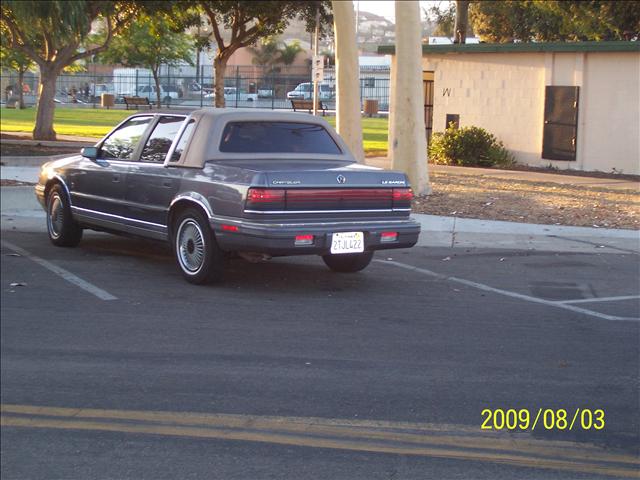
[(462, 21), (409, 140), (156, 79), (220, 66), (43, 129), (348, 116), (21, 88)]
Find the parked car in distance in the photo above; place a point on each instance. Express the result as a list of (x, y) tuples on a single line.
[(167, 92), (232, 93), (304, 91), (265, 92), (96, 90), (223, 183)]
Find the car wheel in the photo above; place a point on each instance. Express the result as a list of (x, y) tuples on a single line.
[(198, 256), (348, 262), (63, 230), (167, 99)]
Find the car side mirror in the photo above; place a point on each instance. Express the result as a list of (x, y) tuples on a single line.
[(89, 152)]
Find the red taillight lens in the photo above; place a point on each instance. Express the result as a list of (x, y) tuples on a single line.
[(265, 199), (388, 237), (402, 197), (229, 228), (304, 240)]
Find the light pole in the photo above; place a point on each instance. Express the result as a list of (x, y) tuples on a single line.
[(315, 61)]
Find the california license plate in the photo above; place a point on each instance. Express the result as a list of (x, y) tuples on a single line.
[(347, 242)]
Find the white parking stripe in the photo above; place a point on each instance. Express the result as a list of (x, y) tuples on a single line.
[(68, 276), (602, 299), (487, 288)]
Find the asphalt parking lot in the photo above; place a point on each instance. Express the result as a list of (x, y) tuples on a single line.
[(288, 370)]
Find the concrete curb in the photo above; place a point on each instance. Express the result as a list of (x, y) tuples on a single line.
[(30, 161), (434, 223), (21, 211)]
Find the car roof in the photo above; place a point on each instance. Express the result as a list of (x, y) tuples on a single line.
[(201, 148)]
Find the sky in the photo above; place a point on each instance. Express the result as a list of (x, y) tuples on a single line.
[(386, 8)]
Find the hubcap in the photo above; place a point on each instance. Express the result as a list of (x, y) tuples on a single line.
[(190, 246), (56, 215)]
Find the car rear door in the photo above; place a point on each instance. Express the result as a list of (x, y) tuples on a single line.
[(151, 186), (98, 187)]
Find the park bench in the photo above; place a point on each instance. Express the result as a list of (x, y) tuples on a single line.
[(137, 102), (308, 105)]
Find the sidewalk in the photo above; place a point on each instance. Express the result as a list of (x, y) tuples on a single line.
[(562, 179), (381, 162), (19, 210), (62, 140)]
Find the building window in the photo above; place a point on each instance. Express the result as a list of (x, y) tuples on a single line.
[(560, 123), (452, 118)]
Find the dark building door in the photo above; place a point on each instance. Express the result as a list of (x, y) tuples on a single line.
[(560, 123), (427, 85)]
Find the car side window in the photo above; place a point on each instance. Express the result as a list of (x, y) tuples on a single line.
[(122, 143), (182, 143), (160, 140)]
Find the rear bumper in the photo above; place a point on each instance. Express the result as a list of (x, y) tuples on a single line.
[(279, 239)]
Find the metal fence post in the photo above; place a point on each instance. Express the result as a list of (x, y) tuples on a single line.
[(168, 85), (237, 84), (273, 90)]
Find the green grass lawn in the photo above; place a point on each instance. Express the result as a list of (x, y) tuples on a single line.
[(90, 122)]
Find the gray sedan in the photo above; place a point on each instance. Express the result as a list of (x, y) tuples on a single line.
[(219, 183)]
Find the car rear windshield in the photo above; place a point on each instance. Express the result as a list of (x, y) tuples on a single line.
[(277, 137)]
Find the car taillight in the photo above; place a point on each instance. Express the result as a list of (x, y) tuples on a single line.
[(402, 197), (386, 237), (265, 199), (303, 240)]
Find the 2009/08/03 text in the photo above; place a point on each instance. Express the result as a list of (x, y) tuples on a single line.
[(547, 418)]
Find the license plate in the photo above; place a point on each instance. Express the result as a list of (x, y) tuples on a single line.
[(347, 242)]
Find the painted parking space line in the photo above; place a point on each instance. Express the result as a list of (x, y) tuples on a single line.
[(65, 274), (507, 293), (601, 299), (458, 442)]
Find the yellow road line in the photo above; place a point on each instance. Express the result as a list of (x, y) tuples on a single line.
[(327, 433)]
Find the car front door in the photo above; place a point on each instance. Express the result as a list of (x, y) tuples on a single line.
[(151, 186), (98, 187)]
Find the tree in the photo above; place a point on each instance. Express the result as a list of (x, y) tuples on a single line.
[(150, 42), (445, 20), (248, 22), (17, 61), (266, 54), (462, 21), (55, 34), (555, 20), (288, 53)]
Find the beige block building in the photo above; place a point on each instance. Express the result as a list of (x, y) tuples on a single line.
[(564, 105)]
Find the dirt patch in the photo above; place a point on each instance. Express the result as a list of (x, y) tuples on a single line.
[(529, 202)]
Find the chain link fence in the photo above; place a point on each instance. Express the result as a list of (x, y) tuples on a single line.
[(190, 87)]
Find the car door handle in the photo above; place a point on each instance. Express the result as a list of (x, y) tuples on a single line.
[(167, 183), (116, 178)]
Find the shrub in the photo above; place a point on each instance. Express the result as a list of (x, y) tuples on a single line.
[(468, 146)]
